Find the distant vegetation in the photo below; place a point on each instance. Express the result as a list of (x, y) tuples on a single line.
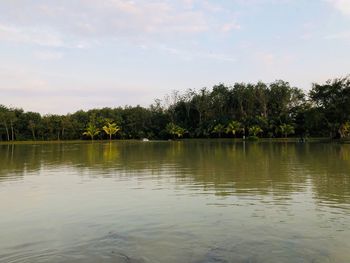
[(250, 110)]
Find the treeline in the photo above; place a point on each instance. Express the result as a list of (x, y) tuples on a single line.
[(266, 110)]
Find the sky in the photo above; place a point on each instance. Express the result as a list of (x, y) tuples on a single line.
[(62, 56)]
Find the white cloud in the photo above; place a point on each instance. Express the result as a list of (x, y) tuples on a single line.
[(153, 17), (342, 5), (110, 17), (70, 22), (274, 61), (196, 54), (188, 4), (125, 6), (21, 81), (30, 35), (230, 26), (340, 35), (267, 58), (48, 55)]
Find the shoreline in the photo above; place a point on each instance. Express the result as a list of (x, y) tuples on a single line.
[(264, 140)]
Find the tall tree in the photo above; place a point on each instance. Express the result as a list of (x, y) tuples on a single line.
[(286, 129), (332, 100), (12, 119), (4, 118), (233, 127), (111, 129), (91, 131), (33, 122)]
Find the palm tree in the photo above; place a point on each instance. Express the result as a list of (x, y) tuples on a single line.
[(233, 127), (344, 129), (111, 129), (175, 130), (255, 130), (219, 129), (286, 129), (91, 131)]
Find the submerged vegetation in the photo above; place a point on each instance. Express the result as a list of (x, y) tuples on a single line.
[(264, 110)]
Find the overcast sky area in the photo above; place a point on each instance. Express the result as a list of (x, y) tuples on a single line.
[(62, 56)]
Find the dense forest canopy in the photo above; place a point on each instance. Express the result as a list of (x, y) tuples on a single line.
[(244, 109)]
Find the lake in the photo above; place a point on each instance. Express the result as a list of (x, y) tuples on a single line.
[(182, 201)]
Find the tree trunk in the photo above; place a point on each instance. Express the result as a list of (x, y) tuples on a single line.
[(264, 111), (188, 108), (33, 133), (7, 131)]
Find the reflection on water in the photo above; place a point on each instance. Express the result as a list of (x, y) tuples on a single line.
[(193, 201)]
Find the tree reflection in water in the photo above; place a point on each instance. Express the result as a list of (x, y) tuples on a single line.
[(222, 166)]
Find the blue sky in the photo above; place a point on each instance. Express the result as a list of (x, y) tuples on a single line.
[(62, 56)]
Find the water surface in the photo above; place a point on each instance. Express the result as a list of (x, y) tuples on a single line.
[(192, 201)]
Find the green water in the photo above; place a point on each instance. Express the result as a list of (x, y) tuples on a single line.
[(194, 201)]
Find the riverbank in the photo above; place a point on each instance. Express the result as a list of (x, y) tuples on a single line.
[(288, 140)]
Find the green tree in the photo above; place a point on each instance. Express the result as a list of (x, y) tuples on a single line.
[(52, 125), (286, 129), (66, 125), (344, 130), (111, 129), (32, 120), (197, 112), (332, 101), (233, 127), (201, 102), (4, 119), (91, 131), (12, 119), (218, 129), (255, 130), (175, 130)]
